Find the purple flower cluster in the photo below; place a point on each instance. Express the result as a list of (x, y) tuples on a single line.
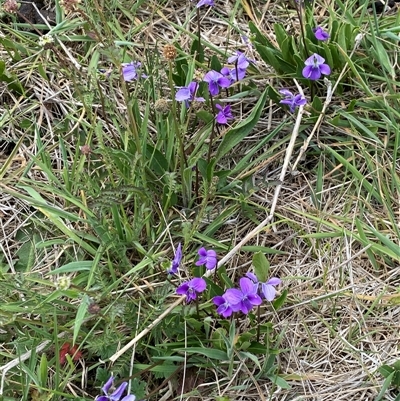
[(235, 300), (224, 79), (314, 68), (238, 72), (249, 295), (206, 257), (196, 285), (217, 80), (117, 394)]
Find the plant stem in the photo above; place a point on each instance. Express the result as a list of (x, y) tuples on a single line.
[(212, 132)]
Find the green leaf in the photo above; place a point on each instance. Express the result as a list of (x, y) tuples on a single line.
[(138, 387), (317, 104), (213, 288), (218, 337), (210, 170), (240, 131), (381, 55), (387, 242), (43, 370), (84, 265), (396, 379), (279, 381), (26, 255), (356, 173), (225, 279), (197, 50), (168, 369), (158, 163), (281, 34), (251, 357), (362, 128), (42, 72), (195, 323), (215, 63), (261, 266), (205, 116), (288, 50), (80, 316), (280, 301), (258, 348), (264, 249), (208, 352), (260, 37), (386, 384), (269, 56)]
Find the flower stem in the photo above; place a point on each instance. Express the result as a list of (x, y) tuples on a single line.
[(214, 127)]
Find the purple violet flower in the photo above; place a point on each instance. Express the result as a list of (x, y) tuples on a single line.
[(252, 277), (216, 80), (268, 290), (223, 306), (208, 258), (224, 114), (191, 288), (232, 75), (315, 67), (292, 100), (176, 261), (117, 394), (129, 70), (205, 3), (245, 298), (320, 34), (240, 59), (188, 93)]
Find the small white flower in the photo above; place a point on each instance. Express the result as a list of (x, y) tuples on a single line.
[(63, 283), (45, 40)]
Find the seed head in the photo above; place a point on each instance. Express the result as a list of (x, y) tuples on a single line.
[(85, 149), (169, 52), (10, 6), (161, 106), (94, 308)]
